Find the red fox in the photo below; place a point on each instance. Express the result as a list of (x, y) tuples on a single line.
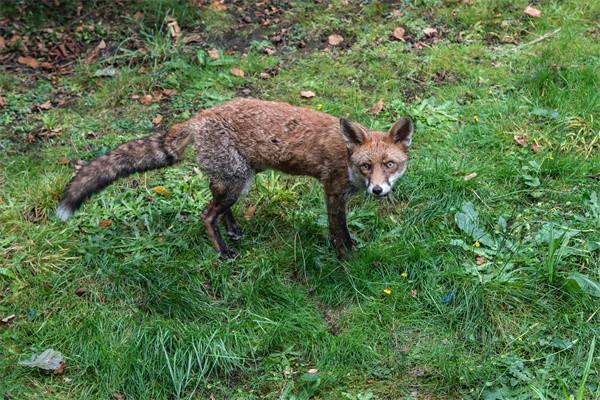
[(239, 138)]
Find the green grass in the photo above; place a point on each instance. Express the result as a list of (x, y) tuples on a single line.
[(163, 317)]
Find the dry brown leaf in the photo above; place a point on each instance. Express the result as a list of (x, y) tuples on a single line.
[(430, 32), (169, 92), (312, 371), (29, 61), (509, 39), (504, 24), (161, 190), (80, 291), (100, 46), (536, 147), (2, 43), (307, 94), (44, 106), (138, 15), (118, 396), (218, 5), (398, 33), (213, 54), (146, 99), (377, 107), (264, 75), (250, 211), (193, 38), (521, 140), (237, 72), (470, 176), (63, 161), (2, 102), (157, 120), (335, 40), (480, 260), (8, 319), (532, 12), (174, 30), (105, 223)]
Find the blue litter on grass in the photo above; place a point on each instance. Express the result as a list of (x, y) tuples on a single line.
[(447, 299)]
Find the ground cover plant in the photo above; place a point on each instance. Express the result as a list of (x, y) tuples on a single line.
[(477, 279)]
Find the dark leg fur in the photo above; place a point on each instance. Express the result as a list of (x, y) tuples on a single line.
[(224, 196), (234, 231), (336, 212)]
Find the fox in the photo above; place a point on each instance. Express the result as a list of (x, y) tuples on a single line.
[(244, 136)]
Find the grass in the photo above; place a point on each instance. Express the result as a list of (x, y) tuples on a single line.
[(493, 280)]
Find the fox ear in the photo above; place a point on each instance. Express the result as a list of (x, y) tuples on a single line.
[(402, 131), (351, 134)]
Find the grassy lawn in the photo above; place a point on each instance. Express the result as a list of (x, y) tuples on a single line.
[(477, 279)]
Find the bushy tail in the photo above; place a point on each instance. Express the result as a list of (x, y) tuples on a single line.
[(136, 156)]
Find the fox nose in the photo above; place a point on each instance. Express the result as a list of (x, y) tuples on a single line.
[(377, 190)]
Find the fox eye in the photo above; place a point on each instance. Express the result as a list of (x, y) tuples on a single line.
[(390, 164), (365, 167)]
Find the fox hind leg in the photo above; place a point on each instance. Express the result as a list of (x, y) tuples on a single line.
[(225, 194), (233, 229)]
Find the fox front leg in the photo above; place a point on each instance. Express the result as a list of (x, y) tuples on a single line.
[(336, 213)]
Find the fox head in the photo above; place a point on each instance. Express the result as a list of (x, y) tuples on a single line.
[(377, 159)]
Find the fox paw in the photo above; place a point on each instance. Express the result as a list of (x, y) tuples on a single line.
[(228, 254)]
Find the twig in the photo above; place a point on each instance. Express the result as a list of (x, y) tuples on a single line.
[(543, 37)]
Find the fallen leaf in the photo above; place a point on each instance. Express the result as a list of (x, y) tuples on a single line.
[(2, 43), (2, 102), (536, 147), (44, 106), (430, 32), (250, 211), (387, 291), (307, 94), (237, 72), (146, 99), (520, 140), (213, 54), (504, 24), (335, 40), (118, 396), (80, 291), (157, 120), (192, 38), (138, 15), (169, 92), (398, 33), (63, 161), (29, 61), (161, 190), (470, 176), (264, 75), (312, 371), (218, 5), (8, 319), (174, 29), (100, 46), (105, 223), (509, 40), (480, 260), (413, 293), (49, 360), (377, 107), (269, 51), (532, 12)]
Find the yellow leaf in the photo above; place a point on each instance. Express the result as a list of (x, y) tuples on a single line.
[(163, 191)]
